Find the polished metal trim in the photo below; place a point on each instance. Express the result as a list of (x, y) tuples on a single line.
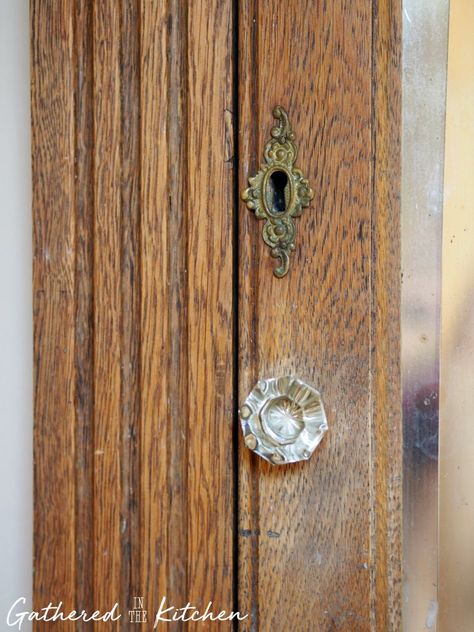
[(425, 40)]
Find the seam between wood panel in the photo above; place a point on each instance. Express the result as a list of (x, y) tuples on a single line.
[(74, 62), (130, 326), (249, 286), (186, 79), (83, 343), (235, 305), (178, 321), (186, 71), (373, 567), (248, 374), (255, 464), (77, 599), (93, 290), (137, 453), (124, 562), (75, 213)]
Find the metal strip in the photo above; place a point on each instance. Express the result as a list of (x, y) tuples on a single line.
[(456, 494), (425, 39)]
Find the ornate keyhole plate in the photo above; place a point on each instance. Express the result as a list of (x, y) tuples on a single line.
[(283, 420), (279, 192)]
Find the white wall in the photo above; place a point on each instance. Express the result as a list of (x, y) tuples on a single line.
[(15, 310)]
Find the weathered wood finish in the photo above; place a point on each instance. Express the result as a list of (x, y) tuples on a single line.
[(54, 304), (386, 426), (133, 198), (136, 229), (319, 542)]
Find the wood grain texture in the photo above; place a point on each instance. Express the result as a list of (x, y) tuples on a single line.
[(107, 306), (130, 365), (155, 417), (84, 317), (134, 298), (317, 540), (132, 150), (209, 202), (386, 431), (54, 302)]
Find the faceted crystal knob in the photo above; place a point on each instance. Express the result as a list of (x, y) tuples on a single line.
[(283, 420)]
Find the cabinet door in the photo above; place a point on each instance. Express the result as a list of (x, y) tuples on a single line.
[(156, 311), (319, 541), (133, 275)]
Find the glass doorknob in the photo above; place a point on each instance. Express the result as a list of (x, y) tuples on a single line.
[(283, 420)]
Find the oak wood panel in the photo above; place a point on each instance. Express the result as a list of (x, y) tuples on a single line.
[(209, 203), (130, 365), (316, 539), (178, 311), (84, 317), (154, 497), (107, 306), (53, 302), (132, 150), (386, 430), (133, 156)]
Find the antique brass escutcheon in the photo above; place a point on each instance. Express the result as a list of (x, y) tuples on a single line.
[(279, 192), (283, 420)]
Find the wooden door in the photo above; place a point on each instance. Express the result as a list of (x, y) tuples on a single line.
[(321, 550), (156, 311)]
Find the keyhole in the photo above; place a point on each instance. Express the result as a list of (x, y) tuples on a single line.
[(278, 182)]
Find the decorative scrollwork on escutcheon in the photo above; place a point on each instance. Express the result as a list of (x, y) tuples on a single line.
[(279, 192)]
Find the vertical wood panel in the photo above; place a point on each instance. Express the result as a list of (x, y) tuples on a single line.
[(386, 429), (107, 305), (84, 342), (133, 308), (316, 539), (178, 399), (130, 299), (248, 263), (53, 287), (156, 418), (209, 201)]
